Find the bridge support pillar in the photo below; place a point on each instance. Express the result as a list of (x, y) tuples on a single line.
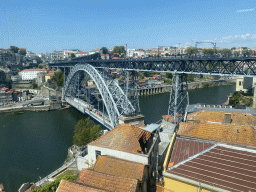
[(133, 120), (178, 99), (254, 97)]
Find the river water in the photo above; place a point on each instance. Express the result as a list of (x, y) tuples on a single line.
[(40, 139)]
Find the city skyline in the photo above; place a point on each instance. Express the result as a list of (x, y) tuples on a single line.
[(86, 25)]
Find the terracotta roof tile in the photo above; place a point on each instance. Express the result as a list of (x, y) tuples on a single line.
[(34, 70), (119, 168), (235, 134), (216, 116), (50, 74), (69, 186), (124, 137), (31, 188), (2, 187), (106, 182)]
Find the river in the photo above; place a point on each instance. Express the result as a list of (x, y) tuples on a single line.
[(40, 139)]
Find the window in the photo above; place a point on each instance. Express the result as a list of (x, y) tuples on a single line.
[(97, 153), (240, 83)]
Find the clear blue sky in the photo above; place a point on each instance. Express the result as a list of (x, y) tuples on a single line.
[(43, 26)]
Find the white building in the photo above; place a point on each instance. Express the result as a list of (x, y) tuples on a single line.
[(80, 54), (30, 74), (139, 53), (130, 52), (126, 142)]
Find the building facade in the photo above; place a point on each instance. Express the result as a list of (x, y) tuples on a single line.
[(30, 74)]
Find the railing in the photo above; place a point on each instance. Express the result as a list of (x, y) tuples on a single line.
[(81, 107), (49, 177)]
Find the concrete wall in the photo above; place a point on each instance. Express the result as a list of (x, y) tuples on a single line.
[(48, 92), (154, 90), (240, 84), (82, 163), (139, 158)]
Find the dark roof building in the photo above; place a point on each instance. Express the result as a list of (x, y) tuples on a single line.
[(216, 167)]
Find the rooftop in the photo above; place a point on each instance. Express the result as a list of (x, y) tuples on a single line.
[(198, 107), (106, 182), (218, 116), (119, 168), (228, 133), (34, 70), (185, 148), (223, 166), (124, 137), (69, 186)]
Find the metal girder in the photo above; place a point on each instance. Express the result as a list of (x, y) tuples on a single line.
[(122, 102), (178, 99), (231, 66), (108, 89)]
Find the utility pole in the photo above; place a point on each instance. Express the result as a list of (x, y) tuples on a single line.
[(179, 47), (126, 51)]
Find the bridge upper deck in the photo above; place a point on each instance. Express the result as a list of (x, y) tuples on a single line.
[(225, 66)]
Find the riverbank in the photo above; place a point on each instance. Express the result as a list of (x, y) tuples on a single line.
[(19, 110), (191, 86)]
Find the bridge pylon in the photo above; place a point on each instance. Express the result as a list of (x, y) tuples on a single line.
[(179, 99)]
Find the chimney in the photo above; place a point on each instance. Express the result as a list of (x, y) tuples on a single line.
[(227, 118)]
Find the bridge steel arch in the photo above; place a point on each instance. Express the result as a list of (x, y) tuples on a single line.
[(104, 89)]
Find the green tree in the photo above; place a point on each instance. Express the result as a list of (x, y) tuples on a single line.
[(34, 84), (86, 131), (14, 49), (190, 78), (225, 51), (23, 51), (59, 76), (236, 98), (2, 75), (190, 50), (168, 75), (52, 186), (208, 51), (73, 55), (104, 50), (119, 49)]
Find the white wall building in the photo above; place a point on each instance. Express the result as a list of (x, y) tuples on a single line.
[(80, 54), (130, 52), (139, 53), (30, 74)]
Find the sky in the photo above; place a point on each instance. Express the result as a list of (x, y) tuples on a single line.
[(48, 25)]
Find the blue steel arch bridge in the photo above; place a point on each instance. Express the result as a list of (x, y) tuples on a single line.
[(90, 87)]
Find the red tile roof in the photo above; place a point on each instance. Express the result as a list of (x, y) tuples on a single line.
[(31, 188), (2, 187), (50, 74), (119, 168), (106, 182), (69, 186), (34, 70), (216, 116), (222, 166), (83, 53), (124, 137), (228, 133)]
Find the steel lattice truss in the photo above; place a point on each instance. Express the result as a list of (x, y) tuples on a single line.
[(112, 95), (209, 66), (123, 104), (178, 99)]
